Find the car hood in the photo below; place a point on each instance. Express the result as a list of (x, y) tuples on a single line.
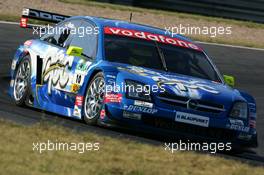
[(182, 85)]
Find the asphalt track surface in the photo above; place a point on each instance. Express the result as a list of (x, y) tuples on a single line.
[(247, 65)]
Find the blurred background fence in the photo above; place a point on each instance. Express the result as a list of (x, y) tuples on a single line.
[(251, 10)]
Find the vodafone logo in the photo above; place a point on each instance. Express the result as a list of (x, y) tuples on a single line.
[(150, 37)]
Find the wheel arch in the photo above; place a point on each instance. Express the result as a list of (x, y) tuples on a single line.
[(19, 57), (88, 79)]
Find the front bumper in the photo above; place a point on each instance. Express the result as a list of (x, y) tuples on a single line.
[(162, 124)]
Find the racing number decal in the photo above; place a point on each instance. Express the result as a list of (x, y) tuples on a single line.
[(78, 79), (79, 75)]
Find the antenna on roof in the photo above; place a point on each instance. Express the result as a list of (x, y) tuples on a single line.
[(131, 15)]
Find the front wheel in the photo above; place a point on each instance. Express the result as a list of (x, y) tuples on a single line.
[(22, 81), (94, 99)]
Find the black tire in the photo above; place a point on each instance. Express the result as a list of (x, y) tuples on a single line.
[(87, 117), (21, 101)]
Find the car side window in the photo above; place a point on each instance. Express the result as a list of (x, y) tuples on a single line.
[(86, 38), (60, 33)]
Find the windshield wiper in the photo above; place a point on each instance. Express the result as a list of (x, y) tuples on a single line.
[(161, 55)]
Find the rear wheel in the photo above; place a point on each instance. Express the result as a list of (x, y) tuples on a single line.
[(22, 81), (94, 99)]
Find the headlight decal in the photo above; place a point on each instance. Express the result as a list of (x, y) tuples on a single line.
[(239, 110), (136, 90)]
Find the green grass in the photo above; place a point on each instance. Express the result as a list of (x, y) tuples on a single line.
[(115, 156)]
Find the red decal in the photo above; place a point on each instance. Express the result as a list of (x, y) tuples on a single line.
[(113, 98), (102, 114), (79, 100), (150, 37), (23, 22), (28, 43), (252, 123)]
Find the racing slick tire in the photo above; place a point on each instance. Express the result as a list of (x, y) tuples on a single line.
[(94, 99), (22, 81)]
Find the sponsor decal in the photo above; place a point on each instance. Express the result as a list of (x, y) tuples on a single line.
[(102, 114), (239, 128), (79, 100), (23, 22), (75, 88), (131, 115), (12, 83), (111, 76), (25, 12), (28, 43), (184, 87), (252, 123), (138, 70), (82, 66), (150, 37), (238, 125), (192, 119), (178, 86), (244, 136), (143, 104), (134, 108), (134, 70), (78, 79), (13, 65), (77, 111), (113, 98), (43, 15), (111, 81), (56, 70), (236, 122)]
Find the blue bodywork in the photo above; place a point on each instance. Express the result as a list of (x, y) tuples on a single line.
[(158, 118)]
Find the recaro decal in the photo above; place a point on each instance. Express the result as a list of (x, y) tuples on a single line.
[(150, 37)]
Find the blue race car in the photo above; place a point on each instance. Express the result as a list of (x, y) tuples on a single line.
[(117, 73)]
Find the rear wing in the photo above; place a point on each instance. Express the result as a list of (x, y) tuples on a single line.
[(28, 13)]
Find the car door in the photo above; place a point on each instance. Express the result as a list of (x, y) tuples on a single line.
[(88, 42), (57, 68)]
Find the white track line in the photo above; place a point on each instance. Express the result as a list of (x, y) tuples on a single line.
[(215, 44), (228, 45), (17, 23), (8, 22)]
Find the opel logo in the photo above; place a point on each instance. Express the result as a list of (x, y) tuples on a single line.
[(192, 104)]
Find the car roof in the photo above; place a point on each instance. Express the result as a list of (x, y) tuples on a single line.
[(106, 22)]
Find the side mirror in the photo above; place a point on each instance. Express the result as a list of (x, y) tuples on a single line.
[(74, 51), (229, 80)]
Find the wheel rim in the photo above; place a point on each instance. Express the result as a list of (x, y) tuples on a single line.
[(94, 98), (21, 80)]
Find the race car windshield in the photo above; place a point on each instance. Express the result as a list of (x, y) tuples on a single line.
[(139, 52)]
